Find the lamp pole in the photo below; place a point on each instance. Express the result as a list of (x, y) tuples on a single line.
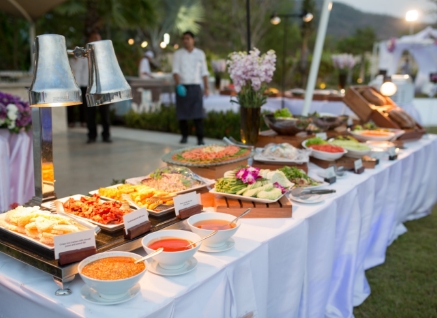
[(284, 51), (248, 25)]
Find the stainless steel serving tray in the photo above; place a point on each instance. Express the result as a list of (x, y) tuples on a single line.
[(43, 259)]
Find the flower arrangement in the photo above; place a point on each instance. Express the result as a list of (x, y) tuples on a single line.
[(343, 61), (15, 115), (250, 73), (391, 45)]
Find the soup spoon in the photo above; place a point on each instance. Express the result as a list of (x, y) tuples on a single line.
[(158, 251), (240, 216), (203, 238)]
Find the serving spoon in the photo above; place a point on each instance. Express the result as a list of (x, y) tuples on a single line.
[(240, 216), (158, 251), (203, 238)]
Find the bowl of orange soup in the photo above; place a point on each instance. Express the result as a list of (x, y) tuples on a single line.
[(204, 223), (112, 274), (174, 243)]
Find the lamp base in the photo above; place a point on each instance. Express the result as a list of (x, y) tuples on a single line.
[(37, 201)]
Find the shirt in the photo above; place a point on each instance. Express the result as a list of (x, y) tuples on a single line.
[(79, 66), (190, 66), (144, 68)]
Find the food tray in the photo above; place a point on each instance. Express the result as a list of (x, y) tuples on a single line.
[(107, 227), (242, 198), (168, 159), (279, 161), (25, 237), (269, 136), (137, 180), (157, 213), (280, 209)]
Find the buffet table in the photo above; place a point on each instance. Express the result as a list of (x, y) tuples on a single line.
[(16, 167), (311, 265), (222, 103)]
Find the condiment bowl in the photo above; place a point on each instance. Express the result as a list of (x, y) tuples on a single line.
[(323, 155), (171, 260), (222, 236), (110, 289)]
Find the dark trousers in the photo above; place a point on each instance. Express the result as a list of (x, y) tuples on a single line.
[(198, 123), (92, 125), (71, 110)]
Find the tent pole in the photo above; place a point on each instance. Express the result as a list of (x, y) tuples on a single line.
[(321, 32), (31, 39)]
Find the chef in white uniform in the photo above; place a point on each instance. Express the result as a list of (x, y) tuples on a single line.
[(144, 69), (189, 71)]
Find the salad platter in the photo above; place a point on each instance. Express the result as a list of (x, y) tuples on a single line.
[(207, 156), (321, 149), (253, 184)]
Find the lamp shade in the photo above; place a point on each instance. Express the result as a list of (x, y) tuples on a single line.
[(106, 80), (53, 82)]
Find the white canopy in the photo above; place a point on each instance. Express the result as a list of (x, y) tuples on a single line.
[(421, 46)]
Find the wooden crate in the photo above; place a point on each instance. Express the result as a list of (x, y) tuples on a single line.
[(280, 209), (378, 114), (346, 162), (216, 172)]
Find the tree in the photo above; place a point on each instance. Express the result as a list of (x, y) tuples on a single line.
[(174, 17)]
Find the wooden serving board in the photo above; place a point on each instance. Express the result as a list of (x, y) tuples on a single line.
[(346, 162), (280, 209)]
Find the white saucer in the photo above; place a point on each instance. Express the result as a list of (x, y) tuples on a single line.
[(90, 295), (317, 199), (154, 268), (227, 246), (321, 174)]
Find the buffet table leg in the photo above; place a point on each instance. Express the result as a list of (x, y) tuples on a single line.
[(62, 283)]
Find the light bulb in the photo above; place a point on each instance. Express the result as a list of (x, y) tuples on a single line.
[(388, 89), (144, 44), (307, 17), (131, 41), (163, 45), (167, 38), (412, 15), (275, 20)]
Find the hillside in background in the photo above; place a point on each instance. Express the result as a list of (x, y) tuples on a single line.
[(344, 20)]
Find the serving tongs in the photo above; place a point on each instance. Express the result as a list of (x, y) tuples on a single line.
[(305, 194), (59, 208)]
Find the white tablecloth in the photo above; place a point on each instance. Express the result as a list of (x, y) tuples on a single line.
[(309, 266), (16, 183)]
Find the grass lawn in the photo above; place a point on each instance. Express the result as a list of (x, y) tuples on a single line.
[(406, 284)]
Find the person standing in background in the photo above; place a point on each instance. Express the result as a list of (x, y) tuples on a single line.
[(79, 67), (144, 69), (103, 109), (189, 68)]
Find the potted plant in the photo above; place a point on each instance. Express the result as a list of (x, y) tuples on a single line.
[(249, 73)]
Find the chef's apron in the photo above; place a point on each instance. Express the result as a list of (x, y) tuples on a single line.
[(190, 106)]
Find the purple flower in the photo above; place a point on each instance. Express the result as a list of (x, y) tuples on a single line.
[(343, 61), (277, 185), (248, 175), (15, 114)]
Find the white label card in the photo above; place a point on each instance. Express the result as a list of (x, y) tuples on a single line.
[(74, 241), (330, 172), (184, 201), (392, 151), (134, 218), (358, 164), (322, 135)]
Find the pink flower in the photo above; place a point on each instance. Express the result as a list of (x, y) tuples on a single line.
[(277, 185)]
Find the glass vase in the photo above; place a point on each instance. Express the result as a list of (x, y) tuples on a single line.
[(250, 120)]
